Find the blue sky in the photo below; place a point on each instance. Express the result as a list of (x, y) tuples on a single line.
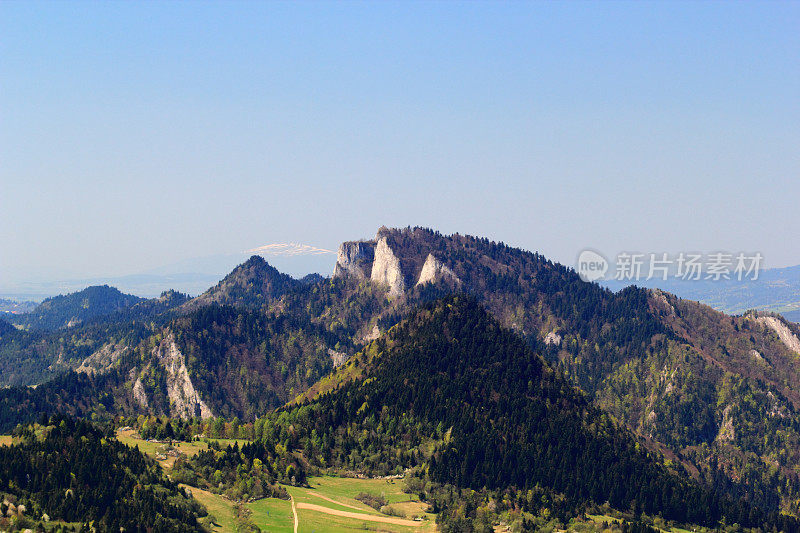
[(134, 135)]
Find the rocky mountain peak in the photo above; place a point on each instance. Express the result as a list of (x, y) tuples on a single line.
[(398, 259)]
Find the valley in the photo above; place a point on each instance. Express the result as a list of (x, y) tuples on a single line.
[(326, 504)]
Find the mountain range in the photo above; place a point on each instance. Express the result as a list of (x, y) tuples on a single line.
[(483, 366)]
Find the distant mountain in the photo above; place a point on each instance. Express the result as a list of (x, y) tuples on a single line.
[(793, 316), (16, 307), (251, 284), (776, 290), (311, 279), (192, 276), (75, 308)]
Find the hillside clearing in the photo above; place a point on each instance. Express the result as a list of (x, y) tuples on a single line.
[(220, 508)]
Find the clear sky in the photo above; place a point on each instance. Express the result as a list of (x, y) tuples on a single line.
[(138, 134)]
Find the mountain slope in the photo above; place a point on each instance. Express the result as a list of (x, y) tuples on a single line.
[(5, 327), (504, 419), (33, 356), (776, 290), (719, 392)]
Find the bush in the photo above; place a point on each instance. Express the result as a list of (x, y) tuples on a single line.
[(391, 511), (373, 500)]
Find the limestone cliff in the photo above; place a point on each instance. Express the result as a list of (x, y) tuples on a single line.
[(355, 259), (185, 402), (784, 333), (139, 394), (386, 268), (434, 270), (393, 260), (103, 359)]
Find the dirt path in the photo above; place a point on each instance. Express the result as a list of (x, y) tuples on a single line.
[(338, 503), (294, 512), (360, 516)]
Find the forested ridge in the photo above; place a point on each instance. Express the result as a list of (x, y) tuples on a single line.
[(70, 309), (73, 471), (34, 355)]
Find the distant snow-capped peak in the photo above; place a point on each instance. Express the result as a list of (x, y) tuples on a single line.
[(289, 249)]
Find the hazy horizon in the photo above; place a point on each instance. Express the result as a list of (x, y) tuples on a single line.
[(134, 136)]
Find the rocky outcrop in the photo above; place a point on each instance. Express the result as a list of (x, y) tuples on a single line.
[(139, 394), (386, 268), (378, 262), (337, 358), (374, 333), (103, 359), (726, 433), (784, 333), (553, 338), (184, 400), (355, 259), (434, 270)]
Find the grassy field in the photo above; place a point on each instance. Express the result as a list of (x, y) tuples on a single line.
[(328, 505), (222, 509), (328, 495), (273, 515), (344, 490), (153, 448)]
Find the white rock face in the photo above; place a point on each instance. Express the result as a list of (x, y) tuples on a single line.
[(139, 395), (434, 270), (354, 259), (386, 268), (337, 358), (787, 337), (185, 402), (553, 338), (727, 433), (372, 335), (103, 359)]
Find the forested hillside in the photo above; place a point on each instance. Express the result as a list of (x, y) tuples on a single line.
[(717, 390), (74, 472), (450, 390), (5, 328)]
